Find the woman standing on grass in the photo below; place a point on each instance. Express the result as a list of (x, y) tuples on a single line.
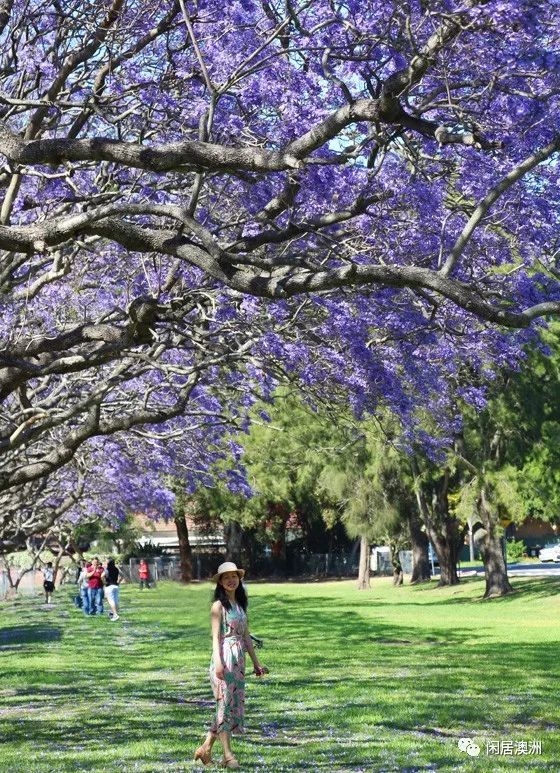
[(112, 581), (230, 642)]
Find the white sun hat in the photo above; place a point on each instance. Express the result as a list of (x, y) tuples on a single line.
[(228, 566)]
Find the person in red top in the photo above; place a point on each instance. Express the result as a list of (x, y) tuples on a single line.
[(144, 574), (95, 587)]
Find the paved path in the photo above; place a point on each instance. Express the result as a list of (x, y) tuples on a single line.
[(548, 569)]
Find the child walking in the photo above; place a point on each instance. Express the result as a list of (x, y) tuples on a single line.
[(48, 582), (230, 642)]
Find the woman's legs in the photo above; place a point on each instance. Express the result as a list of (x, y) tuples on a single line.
[(225, 740), (112, 596), (204, 752)]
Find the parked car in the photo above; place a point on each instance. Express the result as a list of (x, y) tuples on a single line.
[(550, 552)]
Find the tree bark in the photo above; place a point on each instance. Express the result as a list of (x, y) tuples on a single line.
[(13, 585), (233, 536), (447, 553), (185, 551), (421, 569), (398, 574), (491, 552), (62, 550), (443, 530), (363, 571)]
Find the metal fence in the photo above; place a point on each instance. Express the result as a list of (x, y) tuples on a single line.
[(132, 571), (321, 565), (169, 567), (296, 564), (380, 561)]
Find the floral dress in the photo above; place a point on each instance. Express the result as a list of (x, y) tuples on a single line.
[(229, 692)]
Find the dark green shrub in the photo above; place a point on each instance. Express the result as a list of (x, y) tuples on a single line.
[(515, 550)]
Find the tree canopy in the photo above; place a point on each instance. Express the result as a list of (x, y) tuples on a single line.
[(199, 195)]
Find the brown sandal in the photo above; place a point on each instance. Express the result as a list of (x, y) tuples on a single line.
[(230, 762), (204, 755)]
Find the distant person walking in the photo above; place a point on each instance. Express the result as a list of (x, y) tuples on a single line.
[(83, 586), (144, 574), (48, 582), (95, 587), (230, 641), (113, 579)]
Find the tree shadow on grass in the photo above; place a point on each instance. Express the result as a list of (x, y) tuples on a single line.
[(320, 619), (542, 587), (15, 637), (536, 588), (343, 691)]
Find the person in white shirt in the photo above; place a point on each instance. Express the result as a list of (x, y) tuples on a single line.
[(48, 582), (84, 586)]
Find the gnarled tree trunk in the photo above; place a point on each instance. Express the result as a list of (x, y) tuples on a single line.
[(180, 509), (61, 550), (444, 530), (447, 553), (185, 551), (398, 574), (491, 552)]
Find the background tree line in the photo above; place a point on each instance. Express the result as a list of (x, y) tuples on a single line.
[(314, 469)]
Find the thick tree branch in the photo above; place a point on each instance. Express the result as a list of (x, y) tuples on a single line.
[(358, 207), (94, 425), (516, 174), (173, 156), (400, 82), (15, 530), (305, 281)]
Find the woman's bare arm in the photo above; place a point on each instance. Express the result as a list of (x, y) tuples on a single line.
[(252, 654), (216, 618)]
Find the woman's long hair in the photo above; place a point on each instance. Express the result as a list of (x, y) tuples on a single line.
[(240, 596)]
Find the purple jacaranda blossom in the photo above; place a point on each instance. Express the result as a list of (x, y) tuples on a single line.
[(371, 135)]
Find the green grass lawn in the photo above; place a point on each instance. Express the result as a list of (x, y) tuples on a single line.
[(383, 680)]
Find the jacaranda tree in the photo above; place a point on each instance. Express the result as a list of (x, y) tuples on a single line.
[(195, 194)]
